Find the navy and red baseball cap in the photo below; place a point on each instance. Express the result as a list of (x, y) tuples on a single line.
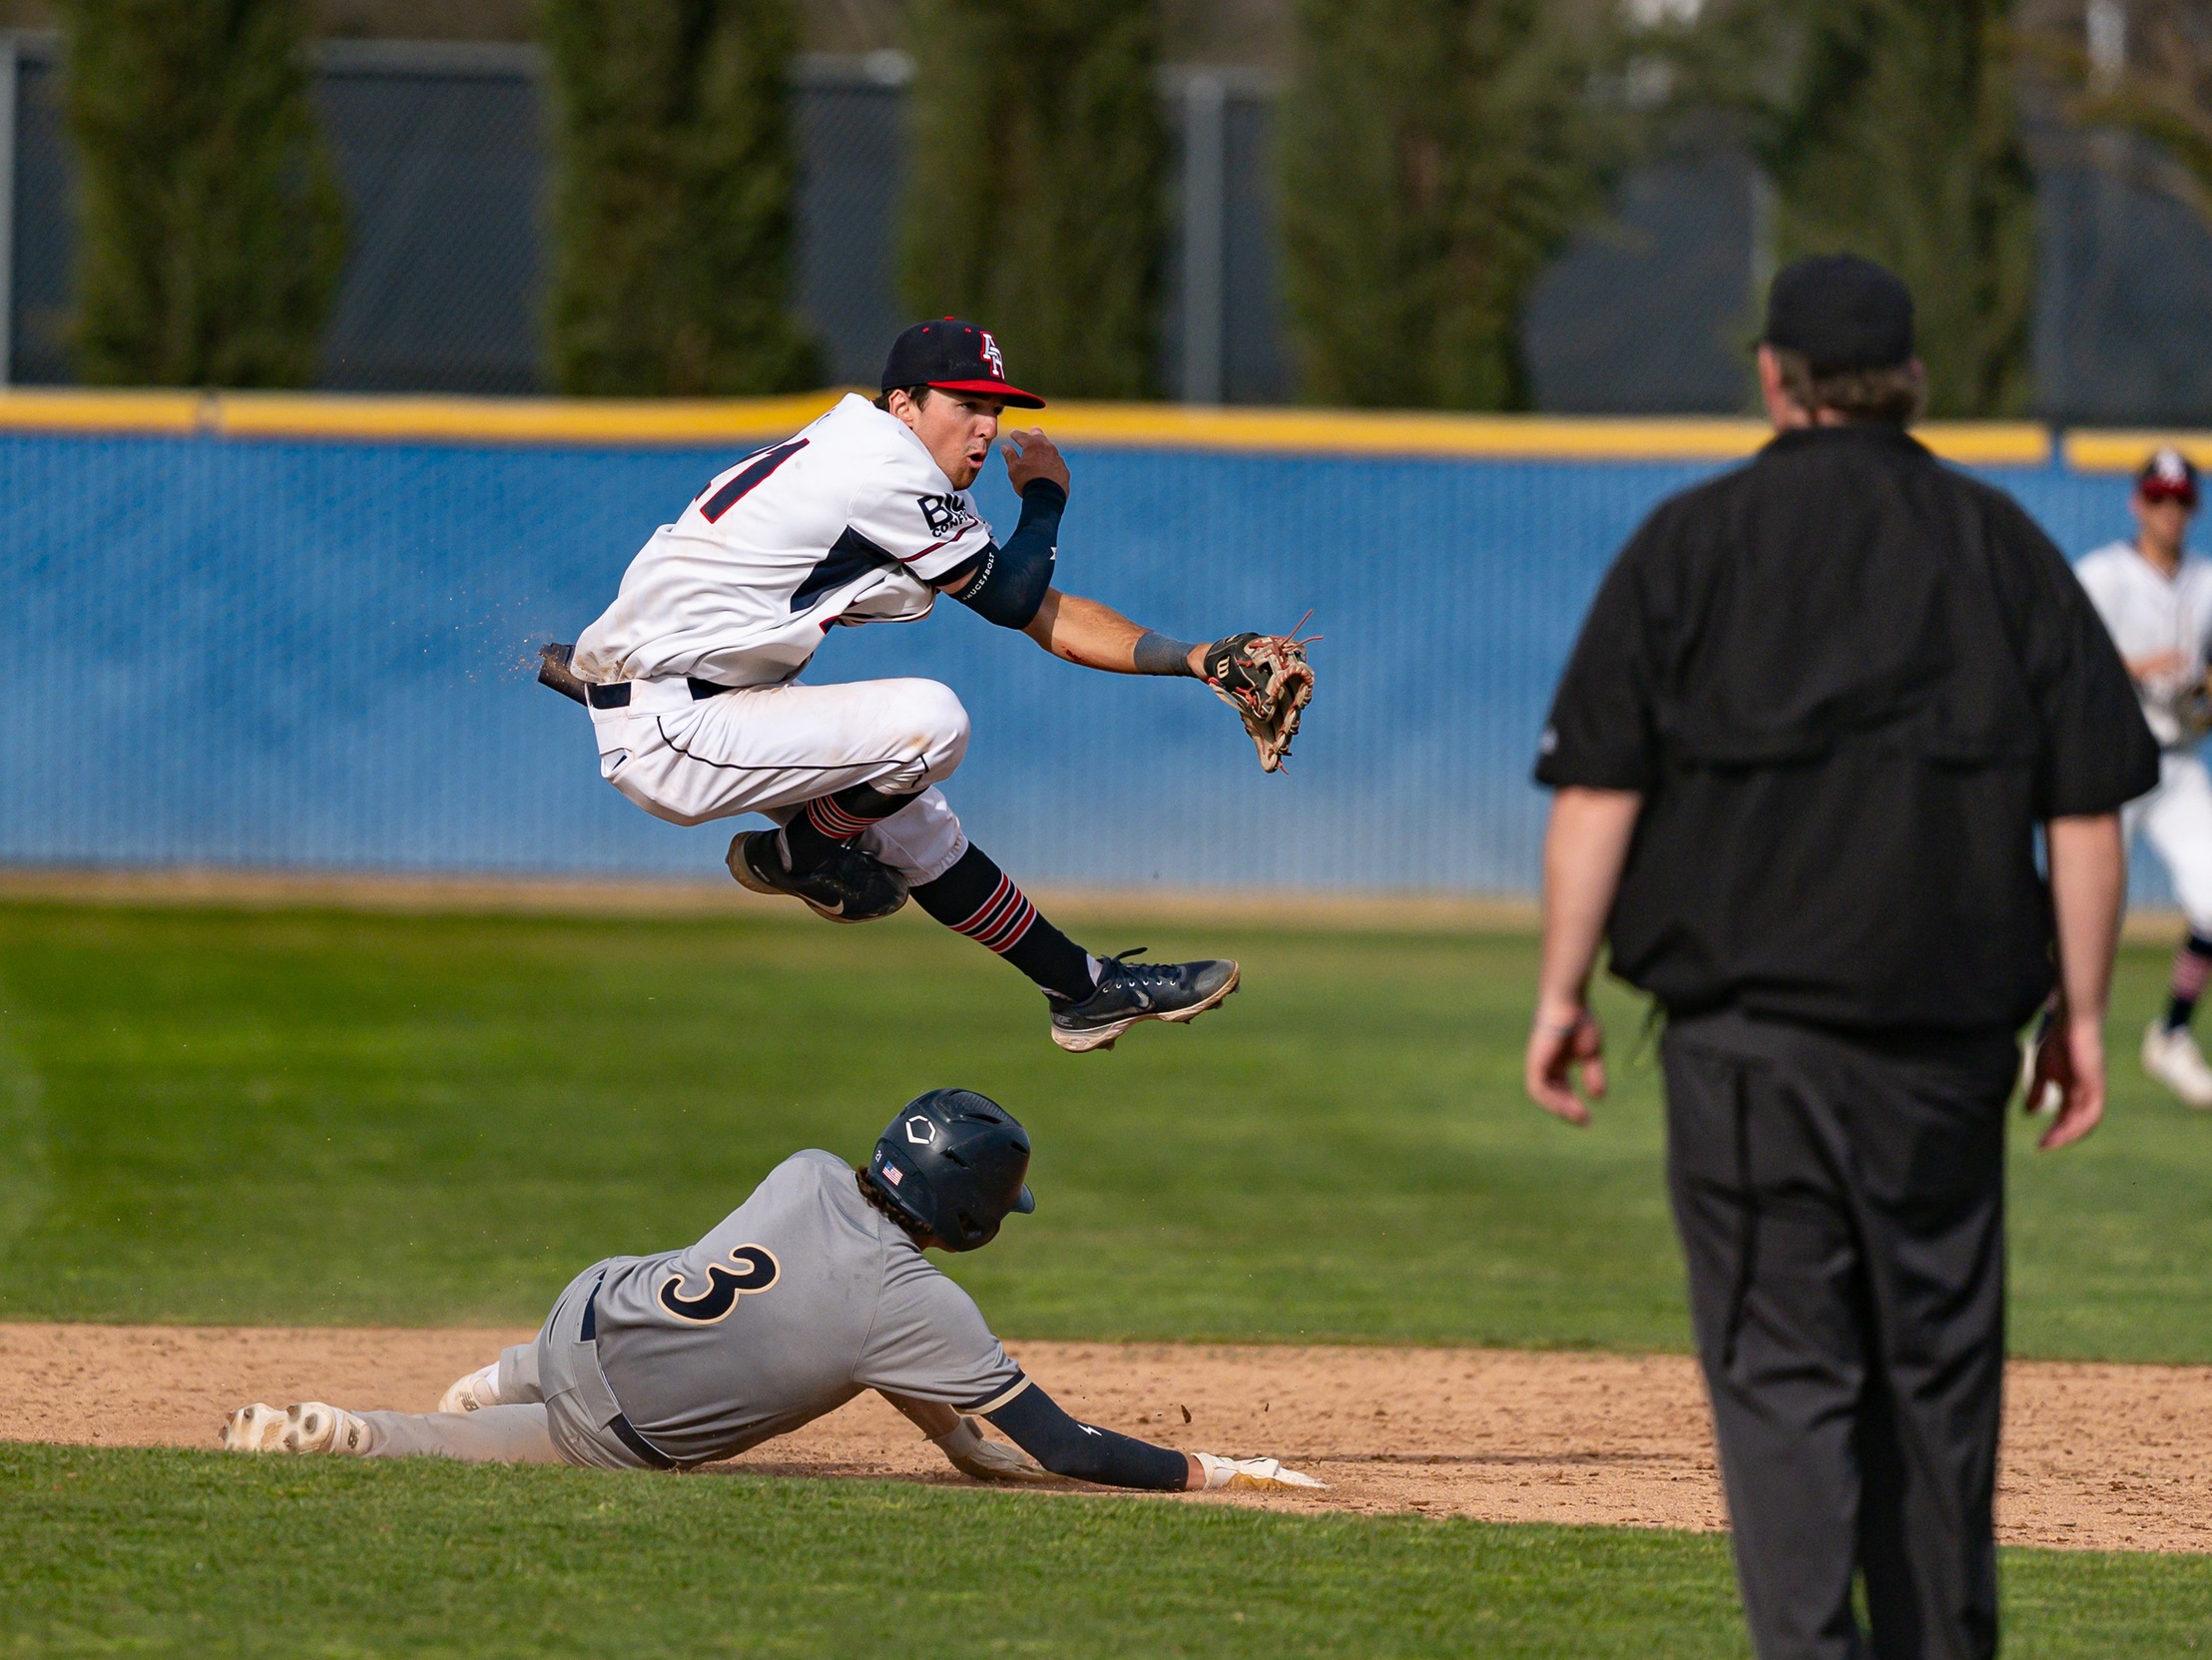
[(953, 356), (2168, 476)]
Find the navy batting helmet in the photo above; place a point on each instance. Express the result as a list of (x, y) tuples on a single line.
[(952, 1164)]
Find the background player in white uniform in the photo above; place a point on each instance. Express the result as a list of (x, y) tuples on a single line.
[(864, 517), (812, 1290), (2156, 598)]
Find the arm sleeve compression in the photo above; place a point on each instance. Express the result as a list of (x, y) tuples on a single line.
[(1007, 584), (1034, 1423)]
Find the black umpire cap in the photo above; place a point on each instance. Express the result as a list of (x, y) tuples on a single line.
[(953, 356), (1839, 313)]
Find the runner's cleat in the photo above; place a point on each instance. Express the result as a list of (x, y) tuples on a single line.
[(2173, 1057), (1132, 992), (316, 1426), (254, 1429), (480, 1388), (848, 886), (311, 1427)]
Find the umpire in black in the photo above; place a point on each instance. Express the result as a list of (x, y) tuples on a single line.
[(1816, 715)]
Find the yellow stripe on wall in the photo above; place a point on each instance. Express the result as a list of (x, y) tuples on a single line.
[(1491, 437), (42, 410), (2125, 452), (525, 420), (733, 422), (335, 416)]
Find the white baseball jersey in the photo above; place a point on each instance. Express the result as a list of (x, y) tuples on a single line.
[(2148, 613), (844, 522)]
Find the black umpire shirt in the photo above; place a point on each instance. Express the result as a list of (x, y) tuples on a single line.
[(1849, 683)]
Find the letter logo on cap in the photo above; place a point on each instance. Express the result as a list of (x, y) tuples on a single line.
[(992, 356)]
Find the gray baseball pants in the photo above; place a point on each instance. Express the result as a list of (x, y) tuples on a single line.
[(1840, 1204), (559, 1413)]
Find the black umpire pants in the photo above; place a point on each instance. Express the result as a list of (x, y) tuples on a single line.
[(1840, 1204)]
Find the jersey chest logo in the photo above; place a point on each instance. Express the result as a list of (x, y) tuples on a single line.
[(757, 1268), (946, 516)]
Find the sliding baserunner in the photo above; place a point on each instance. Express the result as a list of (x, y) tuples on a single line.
[(866, 518), (812, 1291)]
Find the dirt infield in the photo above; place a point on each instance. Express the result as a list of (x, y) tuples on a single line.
[(2097, 1457)]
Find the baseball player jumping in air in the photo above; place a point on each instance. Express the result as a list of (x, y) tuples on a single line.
[(812, 1291), (866, 518), (2156, 599)]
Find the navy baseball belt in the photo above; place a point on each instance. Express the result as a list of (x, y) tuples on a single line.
[(624, 1431), (554, 671), (616, 695)]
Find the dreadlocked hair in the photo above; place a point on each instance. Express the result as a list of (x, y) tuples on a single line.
[(874, 1196)]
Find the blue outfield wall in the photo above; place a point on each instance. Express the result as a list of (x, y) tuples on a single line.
[(321, 654)]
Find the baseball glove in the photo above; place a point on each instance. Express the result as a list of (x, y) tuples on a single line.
[(1266, 678)]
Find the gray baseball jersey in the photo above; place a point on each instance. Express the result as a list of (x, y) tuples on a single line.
[(796, 1302)]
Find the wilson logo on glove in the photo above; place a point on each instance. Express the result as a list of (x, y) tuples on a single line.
[(1266, 678)]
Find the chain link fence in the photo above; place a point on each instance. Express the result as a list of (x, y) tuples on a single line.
[(321, 655), (443, 151)]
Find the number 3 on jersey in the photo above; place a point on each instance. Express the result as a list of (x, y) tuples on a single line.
[(756, 1270)]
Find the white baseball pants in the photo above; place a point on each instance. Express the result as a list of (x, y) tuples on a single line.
[(2176, 819), (772, 749)]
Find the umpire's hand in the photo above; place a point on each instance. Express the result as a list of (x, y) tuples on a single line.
[(1561, 1042), (2088, 885), (2069, 1057)]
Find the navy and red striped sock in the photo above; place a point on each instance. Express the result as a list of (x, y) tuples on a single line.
[(828, 823), (2192, 970), (976, 898)]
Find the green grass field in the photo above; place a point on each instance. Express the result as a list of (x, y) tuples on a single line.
[(130, 1552), (304, 1117)]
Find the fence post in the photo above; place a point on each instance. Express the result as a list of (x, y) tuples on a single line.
[(1205, 203)]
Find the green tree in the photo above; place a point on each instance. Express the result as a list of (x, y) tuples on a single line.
[(1038, 203), (676, 173), (2158, 83), (212, 226), (1895, 134), (1434, 154)]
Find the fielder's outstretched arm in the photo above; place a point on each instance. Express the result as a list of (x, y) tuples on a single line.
[(1265, 677), (1095, 636), (1012, 585)]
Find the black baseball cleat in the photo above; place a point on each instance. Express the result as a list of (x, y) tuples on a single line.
[(1132, 992), (848, 886)]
